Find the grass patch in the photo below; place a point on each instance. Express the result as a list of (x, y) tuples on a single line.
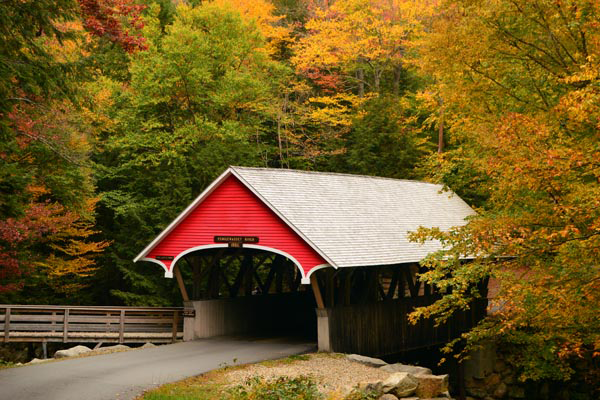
[(208, 386), (212, 385), (7, 364)]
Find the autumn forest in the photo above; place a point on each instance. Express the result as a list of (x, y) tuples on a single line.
[(115, 114)]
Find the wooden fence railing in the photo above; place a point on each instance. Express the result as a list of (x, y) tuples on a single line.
[(19, 323)]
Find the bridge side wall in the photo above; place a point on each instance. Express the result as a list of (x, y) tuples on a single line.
[(382, 328), (287, 313)]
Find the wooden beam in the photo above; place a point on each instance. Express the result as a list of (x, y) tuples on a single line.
[(122, 326), (413, 285), (6, 324), (271, 275), (393, 284), (248, 274), (66, 326), (401, 280), (330, 282), (175, 325), (317, 291), (180, 283)]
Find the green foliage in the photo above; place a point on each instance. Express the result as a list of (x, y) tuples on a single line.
[(387, 138), (359, 394), (195, 102), (281, 388)]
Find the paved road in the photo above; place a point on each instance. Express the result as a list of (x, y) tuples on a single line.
[(125, 375)]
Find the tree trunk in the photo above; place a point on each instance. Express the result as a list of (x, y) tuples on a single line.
[(441, 128), (397, 76), (360, 75)]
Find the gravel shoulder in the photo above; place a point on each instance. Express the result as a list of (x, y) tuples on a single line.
[(332, 372)]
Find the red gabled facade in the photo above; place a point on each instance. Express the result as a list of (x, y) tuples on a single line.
[(231, 209)]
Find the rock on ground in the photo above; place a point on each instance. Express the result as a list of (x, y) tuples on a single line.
[(411, 369), (148, 344), (113, 348), (38, 360), (431, 386), (401, 384), (72, 352), (388, 396), (372, 362)]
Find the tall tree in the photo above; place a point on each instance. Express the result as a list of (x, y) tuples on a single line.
[(46, 190), (199, 99), (520, 82)]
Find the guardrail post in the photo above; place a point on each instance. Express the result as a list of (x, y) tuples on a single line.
[(6, 324), (122, 327), (66, 326), (175, 324)]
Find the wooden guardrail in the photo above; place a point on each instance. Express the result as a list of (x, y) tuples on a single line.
[(19, 323)]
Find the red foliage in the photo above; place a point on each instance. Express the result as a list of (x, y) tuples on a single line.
[(328, 82), (40, 219), (110, 18)]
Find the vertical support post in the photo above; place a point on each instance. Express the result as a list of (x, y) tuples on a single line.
[(66, 326), (53, 323), (323, 334), (44, 349), (180, 283), (6, 324), (122, 327), (175, 324), (317, 291)]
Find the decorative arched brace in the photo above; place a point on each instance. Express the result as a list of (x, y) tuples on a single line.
[(168, 272), (305, 277)]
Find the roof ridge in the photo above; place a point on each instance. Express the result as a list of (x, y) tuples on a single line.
[(335, 174)]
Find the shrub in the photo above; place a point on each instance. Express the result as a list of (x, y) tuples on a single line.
[(282, 388)]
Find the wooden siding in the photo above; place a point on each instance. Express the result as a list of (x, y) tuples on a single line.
[(382, 328), (233, 210)]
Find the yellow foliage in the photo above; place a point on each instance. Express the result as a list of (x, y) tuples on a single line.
[(262, 13), (351, 31), (337, 110)]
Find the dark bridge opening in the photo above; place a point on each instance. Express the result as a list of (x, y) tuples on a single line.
[(244, 291)]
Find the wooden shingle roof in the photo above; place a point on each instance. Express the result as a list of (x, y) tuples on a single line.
[(357, 220)]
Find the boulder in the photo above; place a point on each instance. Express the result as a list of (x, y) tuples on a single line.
[(372, 387), (500, 391), (401, 384), (411, 369), (148, 344), (371, 362), (477, 392), (72, 352), (516, 392), (388, 396), (492, 380), (118, 347), (38, 360), (431, 385)]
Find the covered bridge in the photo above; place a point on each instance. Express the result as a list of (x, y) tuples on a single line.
[(260, 249)]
